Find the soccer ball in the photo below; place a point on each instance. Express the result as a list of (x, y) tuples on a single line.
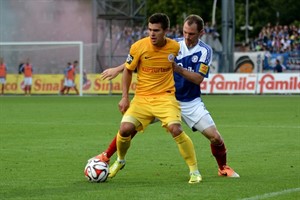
[(96, 171)]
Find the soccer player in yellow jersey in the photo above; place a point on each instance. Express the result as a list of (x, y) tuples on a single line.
[(152, 57), (192, 67)]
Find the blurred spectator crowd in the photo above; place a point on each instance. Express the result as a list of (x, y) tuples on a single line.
[(278, 39), (132, 34)]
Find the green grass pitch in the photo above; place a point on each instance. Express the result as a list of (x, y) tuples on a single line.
[(45, 142)]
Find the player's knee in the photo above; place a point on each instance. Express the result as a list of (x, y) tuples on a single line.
[(216, 139), (127, 129), (175, 129), (213, 135)]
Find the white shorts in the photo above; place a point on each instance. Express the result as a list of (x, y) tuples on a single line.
[(2, 80), (28, 81), (194, 112), (70, 83), (65, 82)]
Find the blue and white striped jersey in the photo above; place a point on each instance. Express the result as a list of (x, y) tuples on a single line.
[(196, 59)]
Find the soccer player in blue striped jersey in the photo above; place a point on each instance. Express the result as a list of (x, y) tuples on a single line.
[(191, 67)]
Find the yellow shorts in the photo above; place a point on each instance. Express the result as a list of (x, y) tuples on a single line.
[(143, 110)]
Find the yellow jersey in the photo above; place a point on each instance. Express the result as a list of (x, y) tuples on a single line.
[(154, 67)]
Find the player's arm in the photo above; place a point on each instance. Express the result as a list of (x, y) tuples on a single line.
[(22, 68), (191, 76), (126, 81), (111, 73)]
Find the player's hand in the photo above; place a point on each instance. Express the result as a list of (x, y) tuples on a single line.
[(109, 74), (124, 105), (176, 68)]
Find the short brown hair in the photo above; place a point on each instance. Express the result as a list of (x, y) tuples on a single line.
[(160, 18), (191, 19)]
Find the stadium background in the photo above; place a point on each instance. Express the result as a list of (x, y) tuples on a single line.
[(108, 27)]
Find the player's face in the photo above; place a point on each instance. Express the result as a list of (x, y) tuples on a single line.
[(156, 34), (191, 34)]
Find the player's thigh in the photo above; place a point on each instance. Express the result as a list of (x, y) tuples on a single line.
[(69, 83), (139, 113), (27, 81), (167, 110), (206, 125), (193, 111)]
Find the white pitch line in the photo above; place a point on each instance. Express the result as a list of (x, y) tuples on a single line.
[(273, 194)]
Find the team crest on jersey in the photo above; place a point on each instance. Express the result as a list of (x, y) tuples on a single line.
[(194, 58), (171, 57), (203, 68), (129, 59)]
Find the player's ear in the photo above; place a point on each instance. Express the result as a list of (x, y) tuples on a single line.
[(202, 32)]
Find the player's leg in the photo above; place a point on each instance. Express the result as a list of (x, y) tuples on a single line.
[(123, 142), (25, 85), (196, 116), (29, 89), (25, 89), (135, 119), (29, 85), (62, 91), (69, 85), (207, 126), (168, 111), (76, 90), (2, 88), (187, 151), (111, 149)]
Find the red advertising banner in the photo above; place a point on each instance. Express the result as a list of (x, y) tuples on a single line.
[(252, 83)]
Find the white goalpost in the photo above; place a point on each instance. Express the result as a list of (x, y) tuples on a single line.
[(52, 54)]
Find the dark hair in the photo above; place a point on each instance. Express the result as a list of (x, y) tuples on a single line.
[(160, 18), (191, 19), (75, 62)]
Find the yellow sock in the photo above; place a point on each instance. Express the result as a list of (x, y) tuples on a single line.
[(187, 151), (123, 144)]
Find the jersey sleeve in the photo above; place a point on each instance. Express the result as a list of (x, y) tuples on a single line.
[(204, 70), (133, 57), (205, 62)]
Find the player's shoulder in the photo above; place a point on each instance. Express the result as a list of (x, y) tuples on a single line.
[(173, 43), (171, 40), (204, 45), (142, 42)]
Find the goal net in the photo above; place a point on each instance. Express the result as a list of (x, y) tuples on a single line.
[(48, 59)]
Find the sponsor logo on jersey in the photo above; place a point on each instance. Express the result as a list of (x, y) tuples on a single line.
[(155, 70), (129, 59), (203, 68)]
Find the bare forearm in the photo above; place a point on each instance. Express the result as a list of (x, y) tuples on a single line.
[(191, 76), (111, 73), (120, 68), (126, 81)]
